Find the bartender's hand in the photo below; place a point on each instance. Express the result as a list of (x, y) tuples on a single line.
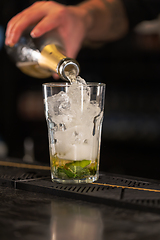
[(47, 15), (92, 20)]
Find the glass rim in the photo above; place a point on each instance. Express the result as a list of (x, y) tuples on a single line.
[(64, 84)]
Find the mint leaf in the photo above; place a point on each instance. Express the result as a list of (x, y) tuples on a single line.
[(63, 173), (82, 163)]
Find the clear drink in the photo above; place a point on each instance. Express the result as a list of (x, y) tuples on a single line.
[(74, 114)]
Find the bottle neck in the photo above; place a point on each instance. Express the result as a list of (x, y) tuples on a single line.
[(68, 69)]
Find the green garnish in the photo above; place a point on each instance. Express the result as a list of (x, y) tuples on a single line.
[(82, 164), (75, 169)]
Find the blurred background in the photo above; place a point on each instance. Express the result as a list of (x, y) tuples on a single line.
[(131, 130)]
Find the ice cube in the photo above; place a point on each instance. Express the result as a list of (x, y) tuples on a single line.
[(58, 103), (76, 143), (59, 108), (77, 151), (81, 152)]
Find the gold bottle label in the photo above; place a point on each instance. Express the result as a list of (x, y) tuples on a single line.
[(50, 58)]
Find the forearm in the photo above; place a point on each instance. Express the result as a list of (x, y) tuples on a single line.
[(106, 19)]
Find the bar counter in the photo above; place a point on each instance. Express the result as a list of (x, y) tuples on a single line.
[(104, 210)]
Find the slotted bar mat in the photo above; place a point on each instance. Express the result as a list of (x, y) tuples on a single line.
[(11, 172), (115, 190)]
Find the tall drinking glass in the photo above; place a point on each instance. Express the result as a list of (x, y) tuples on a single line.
[(74, 115)]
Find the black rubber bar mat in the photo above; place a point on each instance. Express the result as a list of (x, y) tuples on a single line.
[(115, 190)]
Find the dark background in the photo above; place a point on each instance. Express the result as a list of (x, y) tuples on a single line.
[(131, 131)]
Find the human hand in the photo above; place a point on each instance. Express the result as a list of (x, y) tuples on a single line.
[(68, 21)]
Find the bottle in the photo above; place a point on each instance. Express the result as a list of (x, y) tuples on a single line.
[(40, 57)]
